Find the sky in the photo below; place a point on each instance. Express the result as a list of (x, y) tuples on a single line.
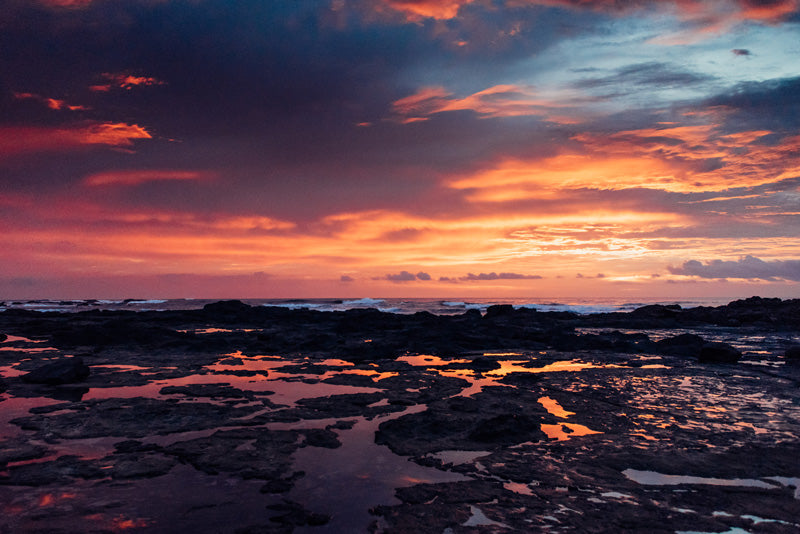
[(399, 148)]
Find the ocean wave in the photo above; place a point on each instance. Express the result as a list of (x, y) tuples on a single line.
[(363, 302)]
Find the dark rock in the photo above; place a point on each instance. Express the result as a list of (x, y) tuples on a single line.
[(213, 391), (482, 364), (253, 453), (719, 353), (318, 437), (132, 445), (140, 465), (793, 352), (506, 428), (3, 337), (227, 307), (499, 310), (343, 425), (657, 311), (64, 371), (18, 450), (62, 470), (279, 485), (682, 345), (134, 418), (471, 491), (472, 314)]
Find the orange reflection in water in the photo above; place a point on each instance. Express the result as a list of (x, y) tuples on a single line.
[(51, 498), (422, 360), (121, 523), (376, 376), (552, 406), (565, 431)]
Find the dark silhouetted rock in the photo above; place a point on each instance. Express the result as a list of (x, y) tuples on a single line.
[(482, 363), (719, 353), (64, 371), (682, 345), (505, 428), (227, 307), (319, 437), (499, 310)]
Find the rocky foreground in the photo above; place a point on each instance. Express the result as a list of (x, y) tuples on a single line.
[(255, 419)]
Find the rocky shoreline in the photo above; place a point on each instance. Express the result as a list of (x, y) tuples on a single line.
[(258, 419)]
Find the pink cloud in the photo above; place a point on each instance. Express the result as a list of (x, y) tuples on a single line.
[(18, 140), (136, 177)]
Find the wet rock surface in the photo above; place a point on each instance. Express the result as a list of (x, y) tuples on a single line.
[(660, 420)]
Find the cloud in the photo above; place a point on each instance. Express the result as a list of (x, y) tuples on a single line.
[(18, 140), (346, 278), (660, 75), (136, 177), (123, 80), (741, 52), (405, 276), (749, 267), (496, 101), (52, 103), (701, 12), (419, 9), (471, 277), (69, 4)]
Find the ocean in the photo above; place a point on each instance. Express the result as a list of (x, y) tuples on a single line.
[(437, 306)]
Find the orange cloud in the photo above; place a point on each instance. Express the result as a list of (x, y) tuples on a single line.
[(52, 103), (739, 160), (496, 101), (513, 179), (19, 140), (705, 17), (436, 9), (136, 177), (124, 80)]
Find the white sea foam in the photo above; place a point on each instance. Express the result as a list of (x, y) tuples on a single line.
[(363, 302)]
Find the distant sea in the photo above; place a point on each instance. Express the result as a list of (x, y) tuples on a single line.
[(438, 306)]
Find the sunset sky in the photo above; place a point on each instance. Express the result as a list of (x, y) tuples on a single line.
[(338, 148)]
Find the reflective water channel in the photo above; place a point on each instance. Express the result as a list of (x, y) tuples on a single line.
[(565, 438)]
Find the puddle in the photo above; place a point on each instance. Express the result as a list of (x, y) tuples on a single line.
[(360, 471), (553, 407), (479, 519), (652, 478), (565, 431), (459, 457)]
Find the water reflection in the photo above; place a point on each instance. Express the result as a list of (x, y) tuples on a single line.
[(565, 431)]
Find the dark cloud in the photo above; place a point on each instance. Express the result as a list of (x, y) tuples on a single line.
[(498, 276), (653, 74), (740, 52), (405, 276), (749, 267), (346, 278), (770, 105)]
